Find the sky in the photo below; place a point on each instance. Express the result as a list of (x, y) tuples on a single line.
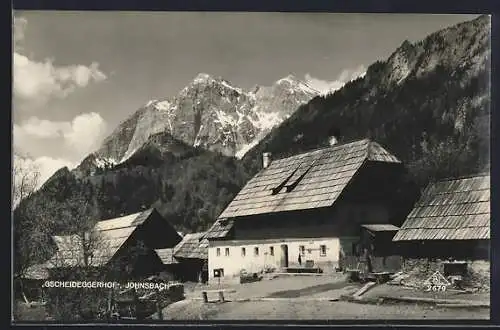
[(77, 75)]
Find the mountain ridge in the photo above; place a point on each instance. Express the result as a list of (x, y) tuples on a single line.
[(431, 96), (208, 112)]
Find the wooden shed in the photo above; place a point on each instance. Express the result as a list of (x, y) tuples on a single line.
[(450, 220), (123, 247), (189, 258), (310, 205)]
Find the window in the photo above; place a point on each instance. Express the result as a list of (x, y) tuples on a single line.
[(226, 252), (217, 252), (256, 251), (278, 188), (302, 249), (243, 252), (271, 250), (322, 250)]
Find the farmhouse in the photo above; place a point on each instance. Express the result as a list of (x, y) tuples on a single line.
[(451, 220), (313, 205), (123, 246)]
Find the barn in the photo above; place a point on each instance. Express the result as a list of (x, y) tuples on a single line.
[(313, 205), (450, 220), (450, 226), (124, 247)]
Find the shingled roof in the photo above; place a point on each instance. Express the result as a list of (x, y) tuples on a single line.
[(111, 235), (219, 229), (191, 247), (166, 256), (457, 209), (380, 227), (309, 180)]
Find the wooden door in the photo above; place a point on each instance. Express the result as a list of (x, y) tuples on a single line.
[(284, 255)]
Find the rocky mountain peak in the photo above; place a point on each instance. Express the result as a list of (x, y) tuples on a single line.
[(291, 81), (445, 49), (211, 113), (203, 78)]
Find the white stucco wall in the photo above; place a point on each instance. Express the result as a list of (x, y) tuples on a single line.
[(235, 262)]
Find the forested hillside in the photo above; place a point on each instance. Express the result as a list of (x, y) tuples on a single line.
[(429, 104)]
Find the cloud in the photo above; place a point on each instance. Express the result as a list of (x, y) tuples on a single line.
[(19, 29), (86, 131), (45, 166), (325, 86), (42, 128), (43, 80), (82, 134), (38, 81)]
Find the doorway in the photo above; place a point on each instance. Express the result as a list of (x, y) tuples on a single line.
[(284, 256)]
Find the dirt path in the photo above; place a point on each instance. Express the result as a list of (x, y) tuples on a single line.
[(279, 310), (266, 288), (308, 291), (288, 292)]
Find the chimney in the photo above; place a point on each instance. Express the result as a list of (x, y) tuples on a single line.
[(333, 136), (266, 159), (332, 140)]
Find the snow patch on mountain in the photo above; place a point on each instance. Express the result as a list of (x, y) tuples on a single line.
[(103, 162), (297, 84), (202, 78), (151, 102), (246, 148), (197, 140), (226, 84), (163, 105), (267, 120)]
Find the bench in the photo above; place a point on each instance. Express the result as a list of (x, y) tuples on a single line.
[(381, 277), (219, 291), (249, 278), (354, 275), (304, 270)]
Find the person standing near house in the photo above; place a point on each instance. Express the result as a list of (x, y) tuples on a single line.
[(341, 259), (366, 260), (300, 260)]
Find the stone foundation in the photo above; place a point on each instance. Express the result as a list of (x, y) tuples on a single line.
[(478, 272)]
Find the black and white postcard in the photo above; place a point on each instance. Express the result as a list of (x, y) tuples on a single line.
[(209, 166)]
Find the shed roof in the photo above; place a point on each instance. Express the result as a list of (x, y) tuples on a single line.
[(166, 256), (36, 272), (456, 209), (110, 236), (309, 180), (192, 246), (380, 227), (201, 251), (219, 229)]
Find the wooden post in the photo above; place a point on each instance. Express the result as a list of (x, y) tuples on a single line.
[(136, 303), (110, 304), (205, 296), (221, 296), (158, 305)]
